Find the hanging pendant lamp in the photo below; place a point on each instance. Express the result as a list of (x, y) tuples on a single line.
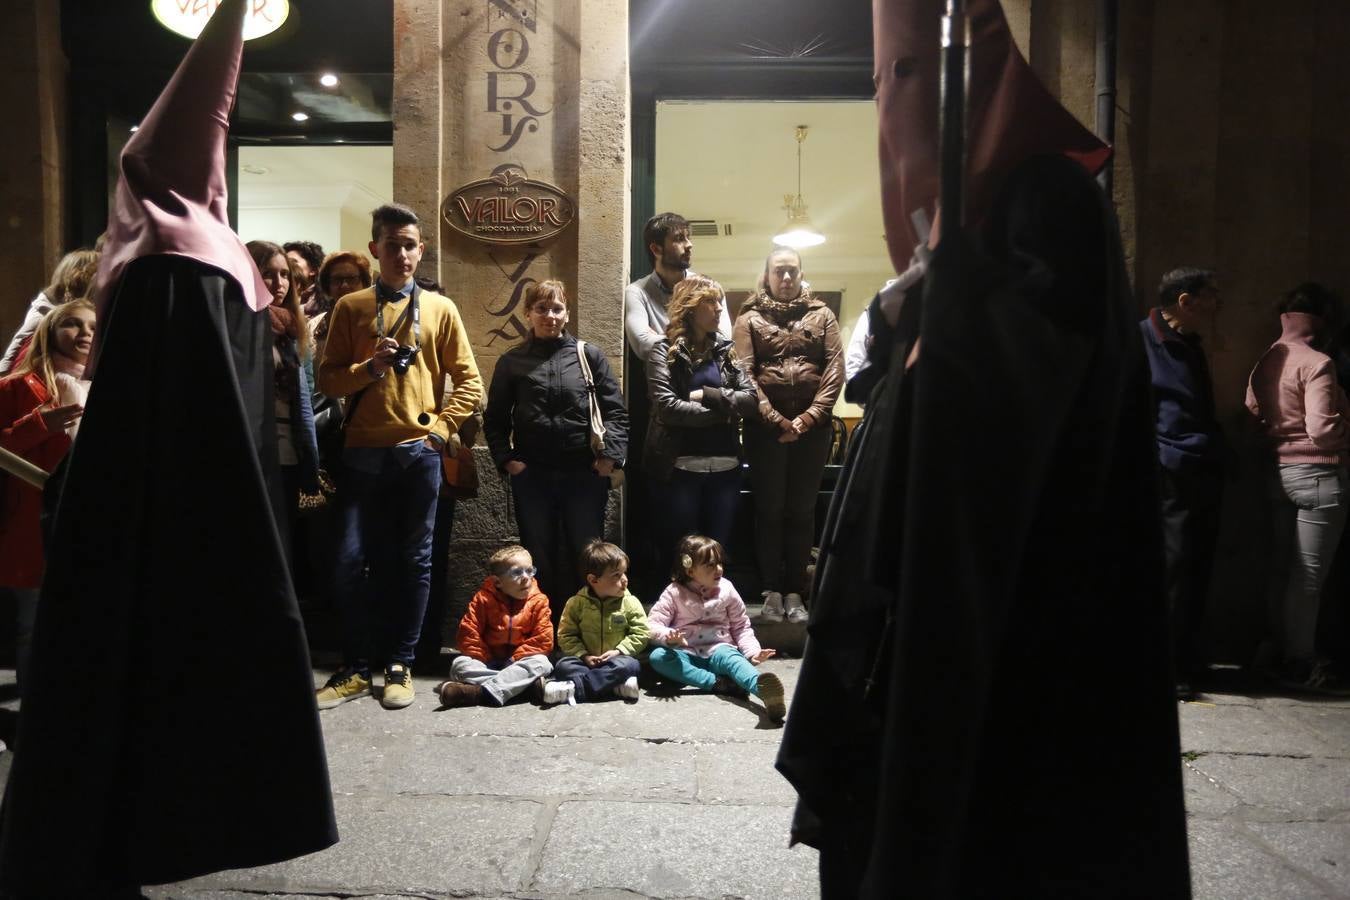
[(797, 231)]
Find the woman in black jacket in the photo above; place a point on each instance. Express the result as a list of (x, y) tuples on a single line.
[(698, 393), (537, 425)]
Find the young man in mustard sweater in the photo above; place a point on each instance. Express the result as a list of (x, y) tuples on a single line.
[(390, 348)]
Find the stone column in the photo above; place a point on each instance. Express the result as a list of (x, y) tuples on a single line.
[(32, 155), (534, 89)]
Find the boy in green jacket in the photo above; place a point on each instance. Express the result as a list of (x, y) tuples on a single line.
[(602, 630)]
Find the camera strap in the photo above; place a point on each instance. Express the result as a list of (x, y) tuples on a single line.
[(412, 310)]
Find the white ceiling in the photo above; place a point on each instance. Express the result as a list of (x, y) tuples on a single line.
[(314, 176), (733, 161)]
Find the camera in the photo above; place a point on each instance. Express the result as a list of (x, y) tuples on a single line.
[(403, 358)]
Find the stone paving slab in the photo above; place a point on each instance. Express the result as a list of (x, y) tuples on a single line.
[(1277, 788), (673, 850), (1226, 865), (1204, 796), (1243, 729), (1331, 724), (496, 765), (741, 774), (1319, 849), (687, 716), (401, 845)]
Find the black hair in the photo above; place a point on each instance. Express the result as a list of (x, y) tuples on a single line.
[(392, 215), (309, 251), (659, 227), (1186, 280), (1314, 299)]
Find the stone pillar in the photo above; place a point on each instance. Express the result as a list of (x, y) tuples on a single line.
[(533, 89), (32, 155)]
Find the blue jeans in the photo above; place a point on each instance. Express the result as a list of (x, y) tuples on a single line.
[(697, 503), (385, 523), (558, 511), (702, 672), (598, 682), (1316, 502)]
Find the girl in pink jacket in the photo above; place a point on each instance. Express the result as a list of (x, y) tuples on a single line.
[(1304, 414), (700, 630)]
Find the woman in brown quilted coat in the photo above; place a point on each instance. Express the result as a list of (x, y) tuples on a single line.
[(791, 343)]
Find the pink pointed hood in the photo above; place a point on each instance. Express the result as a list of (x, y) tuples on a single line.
[(1010, 117), (171, 195)]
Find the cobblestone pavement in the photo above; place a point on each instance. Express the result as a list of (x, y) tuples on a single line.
[(677, 798)]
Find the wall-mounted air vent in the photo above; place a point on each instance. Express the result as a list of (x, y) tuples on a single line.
[(706, 228)]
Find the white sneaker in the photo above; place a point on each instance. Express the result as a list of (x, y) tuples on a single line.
[(773, 607), (629, 689), (796, 610), (560, 691)]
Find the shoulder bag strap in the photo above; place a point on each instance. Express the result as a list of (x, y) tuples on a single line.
[(597, 420)]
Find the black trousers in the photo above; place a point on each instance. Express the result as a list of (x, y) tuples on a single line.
[(1190, 516)]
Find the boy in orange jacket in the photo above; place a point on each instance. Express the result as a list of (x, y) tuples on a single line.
[(504, 638)]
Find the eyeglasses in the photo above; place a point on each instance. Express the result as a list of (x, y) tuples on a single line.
[(521, 571)]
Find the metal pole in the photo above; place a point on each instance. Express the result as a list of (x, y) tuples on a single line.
[(1108, 16), (953, 81)]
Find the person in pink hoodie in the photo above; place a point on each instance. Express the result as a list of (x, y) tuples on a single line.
[(1304, 413), (700, 632)]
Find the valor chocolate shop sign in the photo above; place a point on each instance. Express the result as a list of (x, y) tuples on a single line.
[(508, 207)]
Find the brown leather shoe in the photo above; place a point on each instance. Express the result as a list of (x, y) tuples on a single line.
[(457, 693)]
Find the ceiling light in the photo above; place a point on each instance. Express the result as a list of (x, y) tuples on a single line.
[(328, 79), (797, 231), (300, 117), (135, 128), (188, 19)]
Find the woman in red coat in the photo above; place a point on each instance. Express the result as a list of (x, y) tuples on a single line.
[(40, 408)]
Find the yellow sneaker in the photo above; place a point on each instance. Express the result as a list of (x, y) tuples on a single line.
[(398, 687), (346, 684)]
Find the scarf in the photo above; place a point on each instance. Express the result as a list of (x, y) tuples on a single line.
[(283, 322), (782, 310)]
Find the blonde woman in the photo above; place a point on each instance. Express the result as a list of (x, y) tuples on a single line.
[(790, 341), (40, 409), (698, 392), (70, 281)]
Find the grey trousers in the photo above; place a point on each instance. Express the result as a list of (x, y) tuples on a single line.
[(1317, 506), (501, 685)]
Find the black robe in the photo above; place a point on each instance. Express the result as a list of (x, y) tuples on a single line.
[(168, 727), (985, 707)]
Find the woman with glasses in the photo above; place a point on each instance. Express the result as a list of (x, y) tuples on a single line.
[(538, 428)]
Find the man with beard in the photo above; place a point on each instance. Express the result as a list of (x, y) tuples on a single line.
[(666, 237)]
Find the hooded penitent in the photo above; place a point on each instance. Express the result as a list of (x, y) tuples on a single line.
[(985, 707), (168, 726), (172, 196), (1010, 114)]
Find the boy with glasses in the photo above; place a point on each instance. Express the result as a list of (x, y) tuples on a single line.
[(504, 638)]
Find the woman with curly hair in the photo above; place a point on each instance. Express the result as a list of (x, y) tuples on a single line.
[(698, 392), (790, 341)]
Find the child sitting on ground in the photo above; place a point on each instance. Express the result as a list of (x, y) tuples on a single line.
[(602, 630), (504, 638), (701, 630)]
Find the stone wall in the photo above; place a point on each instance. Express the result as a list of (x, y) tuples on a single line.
[(1233, 153), (32, 154), (543, 88)]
